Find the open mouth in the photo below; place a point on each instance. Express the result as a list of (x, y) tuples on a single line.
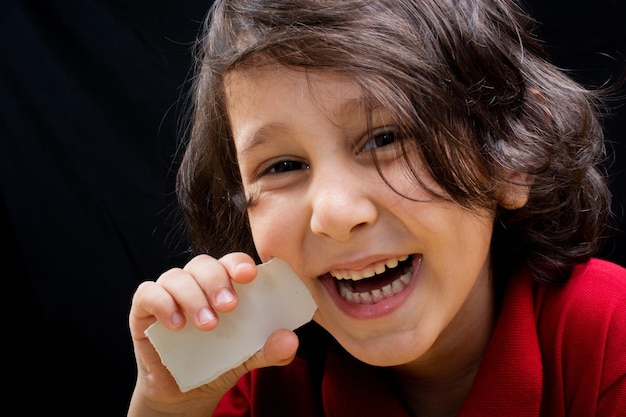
[(376, 284)]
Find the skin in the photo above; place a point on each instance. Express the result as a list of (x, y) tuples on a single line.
[(304, 153)]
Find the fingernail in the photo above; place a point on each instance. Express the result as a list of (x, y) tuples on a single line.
[(205, 316), (224, 296), (177, 319), (244, 265)]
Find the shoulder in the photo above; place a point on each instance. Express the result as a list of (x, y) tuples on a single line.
[(598, 271), (592, 302), (595, 289), (581, 326)]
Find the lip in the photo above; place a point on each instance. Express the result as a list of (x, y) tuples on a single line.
[(371, 311), (360, 264)]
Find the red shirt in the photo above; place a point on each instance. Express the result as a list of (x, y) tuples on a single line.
[(555, 351)]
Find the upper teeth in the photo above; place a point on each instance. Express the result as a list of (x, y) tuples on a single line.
[(378, 268)]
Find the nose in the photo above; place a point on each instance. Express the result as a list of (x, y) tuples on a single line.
[(341, 205)]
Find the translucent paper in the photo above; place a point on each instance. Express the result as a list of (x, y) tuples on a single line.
[(276, 299)]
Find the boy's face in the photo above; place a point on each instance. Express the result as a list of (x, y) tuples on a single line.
[(303, 147)]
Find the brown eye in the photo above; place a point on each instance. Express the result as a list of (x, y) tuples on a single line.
[(384, 139), (379, 139), (286, 166)]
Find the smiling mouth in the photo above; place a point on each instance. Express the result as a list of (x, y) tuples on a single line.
[(376, 284)]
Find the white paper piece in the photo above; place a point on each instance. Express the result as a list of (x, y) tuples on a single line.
[(275, 299)]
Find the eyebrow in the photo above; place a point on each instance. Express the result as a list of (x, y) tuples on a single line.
[(348, 109), (353, 106), (260, 136)]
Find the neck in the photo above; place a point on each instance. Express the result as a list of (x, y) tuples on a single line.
[(441, 396), (438, 383)]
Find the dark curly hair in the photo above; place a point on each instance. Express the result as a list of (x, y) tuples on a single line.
[(469, 84)]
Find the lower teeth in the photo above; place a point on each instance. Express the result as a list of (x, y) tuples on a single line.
[(375, 296)]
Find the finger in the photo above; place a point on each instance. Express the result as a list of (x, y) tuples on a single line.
[(190, 298), (215, 277), (215, 281), (152, 302), (279, 350), (240, 266)]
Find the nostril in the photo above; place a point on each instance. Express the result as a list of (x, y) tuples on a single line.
[(341, 206), (340, 224)]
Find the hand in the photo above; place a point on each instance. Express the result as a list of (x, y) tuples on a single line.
[(195, 293)]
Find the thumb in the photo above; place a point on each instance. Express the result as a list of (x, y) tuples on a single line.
[(279, 350)]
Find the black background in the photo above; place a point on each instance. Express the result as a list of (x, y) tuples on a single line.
[(90, 112)]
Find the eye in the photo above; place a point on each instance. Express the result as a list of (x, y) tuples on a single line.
[(379, 138), (286, 166)]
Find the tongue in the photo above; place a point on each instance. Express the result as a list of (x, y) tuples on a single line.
[(377, 282)]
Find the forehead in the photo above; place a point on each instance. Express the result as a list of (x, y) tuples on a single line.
[(273, 82), (273, 98)]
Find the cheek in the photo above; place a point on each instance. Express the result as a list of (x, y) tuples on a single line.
[(275, 229), (412, 181)]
